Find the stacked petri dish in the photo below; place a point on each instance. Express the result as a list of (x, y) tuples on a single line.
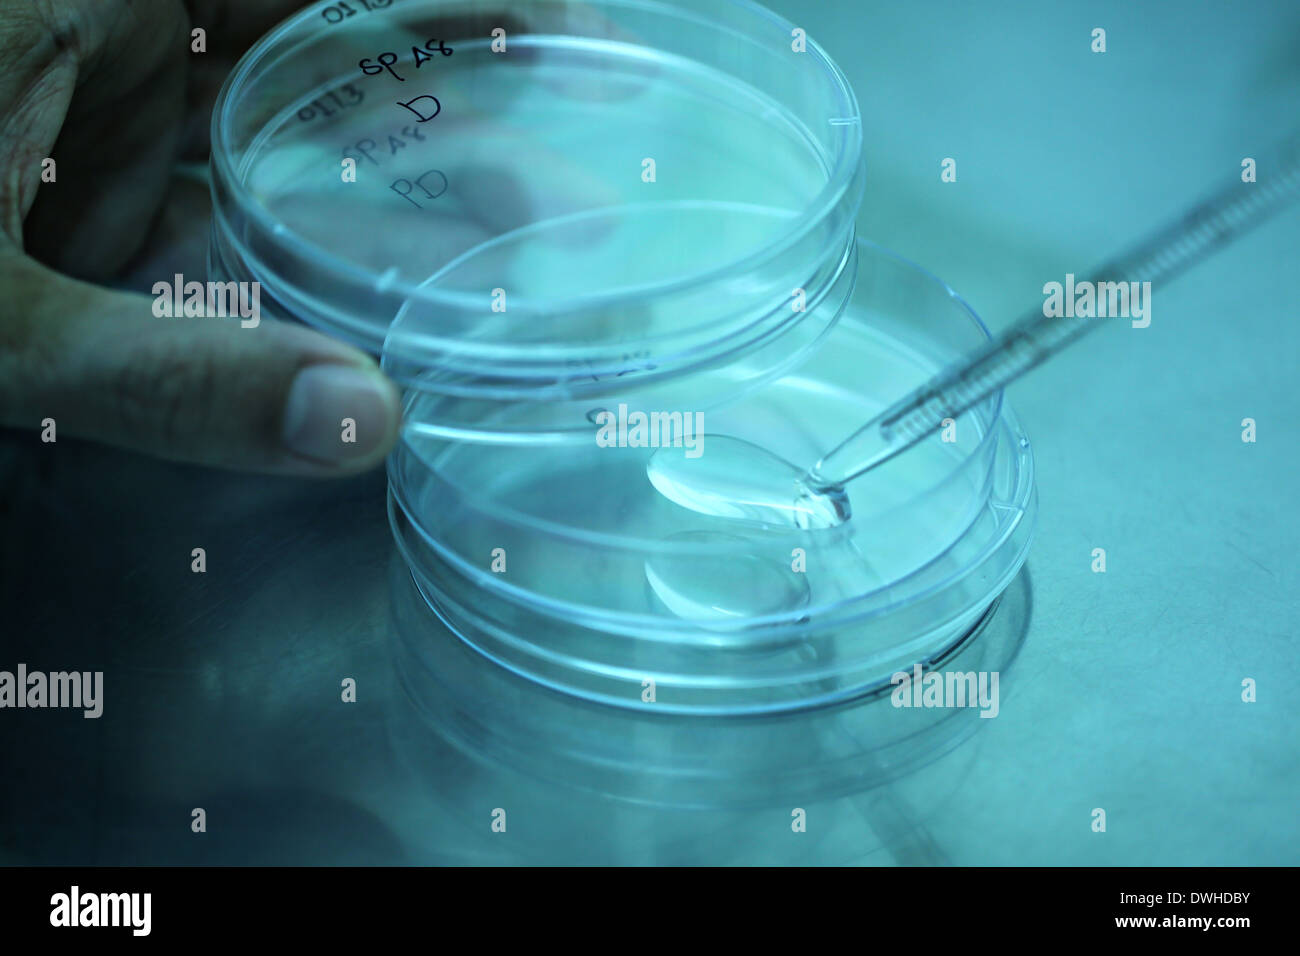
[(562, 216)]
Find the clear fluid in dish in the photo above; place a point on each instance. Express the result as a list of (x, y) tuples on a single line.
[(747, 484)]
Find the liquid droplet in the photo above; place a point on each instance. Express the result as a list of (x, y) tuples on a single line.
[(738, 480), (724, 591)]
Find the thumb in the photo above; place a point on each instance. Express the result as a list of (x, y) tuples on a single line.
[(272, 397)]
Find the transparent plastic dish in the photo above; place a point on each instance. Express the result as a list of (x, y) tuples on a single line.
[(560, 197), (602, 584), (551, 210), (530, 688)]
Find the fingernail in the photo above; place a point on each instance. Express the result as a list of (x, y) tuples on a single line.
[(339, 414)]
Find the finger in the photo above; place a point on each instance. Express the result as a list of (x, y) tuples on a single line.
[(273, 397), (97, 89), (627, 79), (178, 243)]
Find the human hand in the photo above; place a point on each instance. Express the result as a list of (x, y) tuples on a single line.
[(112, 92)]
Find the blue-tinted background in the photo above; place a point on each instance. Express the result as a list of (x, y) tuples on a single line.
[(222, 689)]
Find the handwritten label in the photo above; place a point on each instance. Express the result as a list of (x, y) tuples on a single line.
[(338, 12), (373, 66), (394, 141), (434, 179), (321, 106)]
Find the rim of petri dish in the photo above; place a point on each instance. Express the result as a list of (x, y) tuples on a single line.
[(999, 559), (454, 712), (844, 176)]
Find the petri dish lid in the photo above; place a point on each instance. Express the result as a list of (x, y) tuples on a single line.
[(496, 195)]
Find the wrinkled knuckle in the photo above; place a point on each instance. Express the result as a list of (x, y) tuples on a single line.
[(166, 395)]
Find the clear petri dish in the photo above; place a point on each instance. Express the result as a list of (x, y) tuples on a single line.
[(563, 563), (550, 197), (542, 214)]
